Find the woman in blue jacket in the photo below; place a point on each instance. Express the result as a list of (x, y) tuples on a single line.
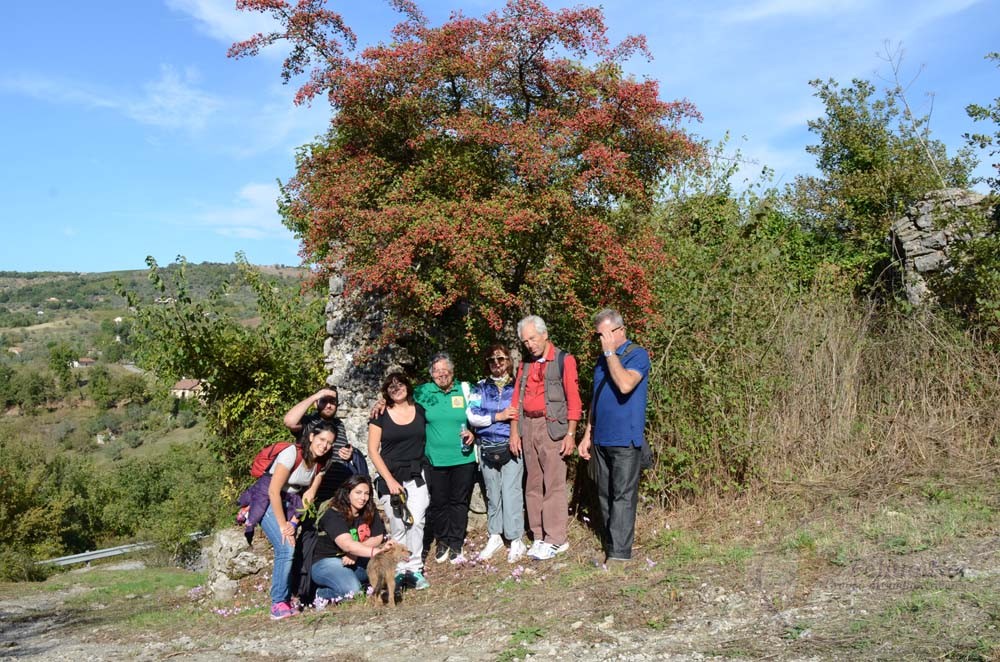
[(489, 413)]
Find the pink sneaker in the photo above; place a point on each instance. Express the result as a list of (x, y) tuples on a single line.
[(280, 610)]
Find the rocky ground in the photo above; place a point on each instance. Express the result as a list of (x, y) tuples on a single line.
[(676, 601)]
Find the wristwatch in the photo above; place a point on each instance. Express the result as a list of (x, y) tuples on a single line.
[(608, 353)]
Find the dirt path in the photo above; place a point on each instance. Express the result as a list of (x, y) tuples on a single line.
[(937, 603)]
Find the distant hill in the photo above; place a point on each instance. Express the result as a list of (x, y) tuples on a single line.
[(53, 290)]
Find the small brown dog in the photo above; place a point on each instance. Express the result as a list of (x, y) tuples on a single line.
[(382, 571)]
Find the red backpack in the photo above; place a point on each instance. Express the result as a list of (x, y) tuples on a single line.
[(265, 458)]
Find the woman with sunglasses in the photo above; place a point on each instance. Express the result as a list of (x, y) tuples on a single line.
[(489, 413)]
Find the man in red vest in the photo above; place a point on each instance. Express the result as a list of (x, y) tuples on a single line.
[(547, 400)]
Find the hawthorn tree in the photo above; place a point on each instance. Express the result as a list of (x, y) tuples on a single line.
[(479, 170)]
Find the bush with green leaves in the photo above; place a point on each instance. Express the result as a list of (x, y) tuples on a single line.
[(874, 159), (251, 374), (733, 271), (61, 504), (165, 498), (49, 504), (32, 389), (970, 287), (984, 139)]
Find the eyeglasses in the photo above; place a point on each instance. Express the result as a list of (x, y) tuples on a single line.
[(326, 402), (597, 334), (497, 359)]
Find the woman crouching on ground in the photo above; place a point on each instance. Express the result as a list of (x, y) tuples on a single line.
[(350, 534), (297, 468)]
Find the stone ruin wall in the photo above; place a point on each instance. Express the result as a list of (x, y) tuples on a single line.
[(357, 385), (922, 237)]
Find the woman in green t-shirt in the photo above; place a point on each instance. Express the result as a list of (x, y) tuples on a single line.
[(451, 470)]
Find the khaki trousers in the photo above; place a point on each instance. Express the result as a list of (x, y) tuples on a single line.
[(545, 486)]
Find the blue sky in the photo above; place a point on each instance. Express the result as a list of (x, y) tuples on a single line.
[(128, 132)]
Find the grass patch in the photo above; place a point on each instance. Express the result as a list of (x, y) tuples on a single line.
[(679, 548), (796, 631), (932, 624), (575, 575), (938, 515), (520, 639), (153, 598)]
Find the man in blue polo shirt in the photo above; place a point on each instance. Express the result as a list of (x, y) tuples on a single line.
[(614, 433)]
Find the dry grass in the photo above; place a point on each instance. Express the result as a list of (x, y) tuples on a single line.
[(871, 402)]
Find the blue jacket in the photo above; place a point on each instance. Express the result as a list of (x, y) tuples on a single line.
[(485, 400)]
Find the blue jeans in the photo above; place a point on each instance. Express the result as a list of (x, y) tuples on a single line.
[(283, 553), (505, 498), (336, 581)]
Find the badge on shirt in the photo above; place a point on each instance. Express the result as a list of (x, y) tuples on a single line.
[(457, 402)]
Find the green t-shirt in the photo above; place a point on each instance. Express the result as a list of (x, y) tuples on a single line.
[(445, 414)]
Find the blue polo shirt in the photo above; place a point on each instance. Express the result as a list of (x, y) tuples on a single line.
[(620, 420)]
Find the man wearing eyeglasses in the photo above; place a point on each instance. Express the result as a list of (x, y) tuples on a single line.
[(614, 435)]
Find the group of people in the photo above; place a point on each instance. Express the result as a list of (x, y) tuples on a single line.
[(427, 443)]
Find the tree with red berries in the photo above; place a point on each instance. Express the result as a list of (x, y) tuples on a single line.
[(479, 170)]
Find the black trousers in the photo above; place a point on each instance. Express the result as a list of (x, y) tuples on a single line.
[(617, 470), (448, 513)]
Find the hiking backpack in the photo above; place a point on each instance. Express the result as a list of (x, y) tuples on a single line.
[(263, 460)]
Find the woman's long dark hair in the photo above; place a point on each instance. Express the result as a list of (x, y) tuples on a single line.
[(341, 501), (306, 441)]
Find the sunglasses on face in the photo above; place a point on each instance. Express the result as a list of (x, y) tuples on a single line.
[(497, 359), (597, 334)]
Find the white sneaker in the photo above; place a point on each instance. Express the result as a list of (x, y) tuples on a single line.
[(517, 551), (458, 559), (547, 550), (494, 544), (544, 552), (535, 546)]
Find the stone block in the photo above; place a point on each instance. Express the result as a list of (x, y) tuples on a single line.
[(912, 249), (924, 221), (930, 262), (935, 241)]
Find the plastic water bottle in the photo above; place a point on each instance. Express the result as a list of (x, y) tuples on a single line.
[(461, 440)]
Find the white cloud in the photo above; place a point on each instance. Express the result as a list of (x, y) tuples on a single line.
[(172, 101), (56, 91), (220, 19), (253, 214)]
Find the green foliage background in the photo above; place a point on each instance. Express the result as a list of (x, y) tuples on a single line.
[(783, 358)]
